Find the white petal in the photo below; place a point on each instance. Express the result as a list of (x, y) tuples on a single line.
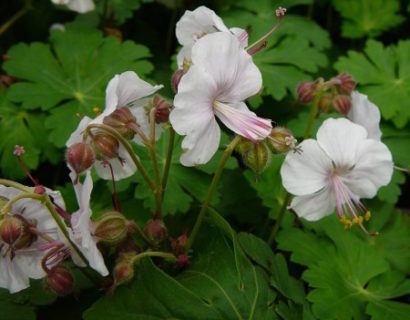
[(195, 24), (366, 114), (193, 102), (131, 87), (143, 121), (306, 172), (81, 6), (241, 35), (30, 264), (232, 68), (184, 54), (77, 135), (200, 145), (341, 139), (122, 169), (11, 276), (315, 206), (374, 169), (111, 96)]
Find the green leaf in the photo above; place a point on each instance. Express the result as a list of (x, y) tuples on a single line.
[(392, 191), (365, 18), (383, 73), (209, 289), (24, 128), (119, 10), (69, 76), (298, 125)]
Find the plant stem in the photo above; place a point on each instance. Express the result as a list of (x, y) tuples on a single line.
[(158, 192), (16, 16), (128, 148), (169, 158), (312, 117), (228, 151), (165, 255), (10, 183), (144, 237)]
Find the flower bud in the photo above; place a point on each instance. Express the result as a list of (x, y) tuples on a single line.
[(127, 246), (162, 109), (182, 260), (325, 102), (345, 83), (105, 146), (15, 231), (111, 228), (120, 120), (257, 158), (155, 230), (306, 91), (59, 280), (281, 140), (124, 269), (176, 78), (342, 104), (80, 156)]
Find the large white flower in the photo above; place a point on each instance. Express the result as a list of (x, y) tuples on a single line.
[(222, 75), (82, 227), (365, 113), (126, 89), (195, 24), (81, 6), (335, 171), (18, 265)]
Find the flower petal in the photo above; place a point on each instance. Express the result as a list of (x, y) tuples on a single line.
[(307, 172), (143, 121), (200, 145), (122, 169), (342, 140), (11, 276), (81, 6), (77, 135), (373, 169), (232, 68), (366, 114), (315, 206)]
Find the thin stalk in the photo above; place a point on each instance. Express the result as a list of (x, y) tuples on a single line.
[(228, 151), (19, 186), (16, 16), (312, 117), (160, 254), (144, 237), (169, 158), (127, 147), (158, 193)]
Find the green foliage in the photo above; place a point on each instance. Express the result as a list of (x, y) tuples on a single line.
[(283, 62), (368, 18), (119, 10), (384, 74), (349, 274), (69, 76), (220, 284)]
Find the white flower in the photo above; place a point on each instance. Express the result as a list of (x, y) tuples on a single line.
[(221, 77), (82, 227), (336, 170), (126, 89), (365, 113), (18, 265), (81, 6), (195, 24)]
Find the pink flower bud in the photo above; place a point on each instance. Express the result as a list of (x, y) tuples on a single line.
[(162, 109), (342, 104), (15, 231), (124, 269), (155, 230), (111, 228), (59, 280), (345, 83), (182, 260), (306, 91), (105, 146), (281, 140), (120, 120), (176, 78), (256, 156), (80, 156)]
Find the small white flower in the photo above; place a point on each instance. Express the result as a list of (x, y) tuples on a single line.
[(366, 114), (126, 89), (195, 24), (18, 265), (82, 227), (81, 6), (335, 171), (222, 75)]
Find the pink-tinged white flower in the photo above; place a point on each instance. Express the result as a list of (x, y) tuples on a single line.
[(222, 75), (335, 171), (18, 265), (82, 228), (195, 24), (80, 6), (126, 89), (366, 114)]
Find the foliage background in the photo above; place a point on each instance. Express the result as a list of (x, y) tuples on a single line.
[(316, 270)]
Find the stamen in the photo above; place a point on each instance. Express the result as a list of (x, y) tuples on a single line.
[(115, 201), (256, 50), (18, 151), (280, 12)]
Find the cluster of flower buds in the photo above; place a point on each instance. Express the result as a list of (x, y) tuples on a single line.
[(333, 93), (179, 249), (112, 228)]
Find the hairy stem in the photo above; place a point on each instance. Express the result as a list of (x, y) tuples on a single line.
[(169, 158), (16, 16)]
